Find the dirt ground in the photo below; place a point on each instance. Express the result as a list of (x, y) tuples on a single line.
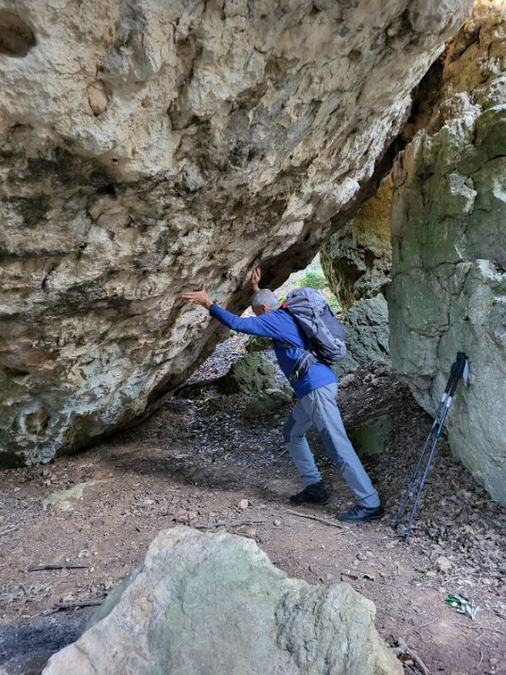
[(195, 460)]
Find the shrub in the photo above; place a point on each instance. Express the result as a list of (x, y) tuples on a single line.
[(313, 280)]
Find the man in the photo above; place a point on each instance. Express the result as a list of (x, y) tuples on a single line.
[(316, 403)]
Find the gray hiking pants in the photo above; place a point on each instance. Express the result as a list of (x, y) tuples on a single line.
[(319, 408)]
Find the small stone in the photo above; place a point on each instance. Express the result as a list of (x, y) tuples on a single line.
[(347, 379), (277, 523), (443, 564), (243, 504), (97, 98)]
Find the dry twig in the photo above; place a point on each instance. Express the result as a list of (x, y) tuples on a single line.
[(8, 530), (227, 523), (62, 566), (317, 518), (77, 604)]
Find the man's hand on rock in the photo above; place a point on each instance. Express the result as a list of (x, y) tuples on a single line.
[(255, 279), (198, 297)]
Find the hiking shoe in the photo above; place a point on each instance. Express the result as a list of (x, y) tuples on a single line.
[(314, 493), (361, 514)]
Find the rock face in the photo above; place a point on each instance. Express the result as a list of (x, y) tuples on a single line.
[(213, 603), (356, 260), (367, 333), (148, 147), (448, 290)]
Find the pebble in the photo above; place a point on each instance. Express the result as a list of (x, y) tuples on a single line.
[(243, 504), (277, 523), (443, 564)]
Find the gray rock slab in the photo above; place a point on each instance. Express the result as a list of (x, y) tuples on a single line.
[(213, 604)]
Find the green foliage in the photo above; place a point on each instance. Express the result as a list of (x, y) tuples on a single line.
[(316, 279), (313, 280)]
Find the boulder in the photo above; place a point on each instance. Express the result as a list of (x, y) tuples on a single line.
[(367, 334), (214, 604), (149, 147), (250, 374), (271, 401), (448, 290), (255, 343), (373, 436)]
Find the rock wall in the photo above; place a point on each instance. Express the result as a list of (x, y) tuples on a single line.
[(367, 334), (448, 290), (214, 604), (149, 147), (356, 261)]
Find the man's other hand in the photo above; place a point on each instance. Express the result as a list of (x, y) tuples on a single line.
[(198, 297), (255, 279)]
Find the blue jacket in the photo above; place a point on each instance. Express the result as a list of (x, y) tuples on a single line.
[(279, 325)]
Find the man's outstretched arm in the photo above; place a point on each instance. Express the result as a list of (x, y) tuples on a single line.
[(264, 326)]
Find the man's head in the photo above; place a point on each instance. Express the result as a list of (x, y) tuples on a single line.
[(264, 301)]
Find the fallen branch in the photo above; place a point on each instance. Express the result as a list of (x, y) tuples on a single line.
[(227, 523), (8, 530), (63, 566), (77, 604), (360, 574), (317, 518)]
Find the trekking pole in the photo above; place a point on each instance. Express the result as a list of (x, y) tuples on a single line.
[(459, 369), (408, 492)]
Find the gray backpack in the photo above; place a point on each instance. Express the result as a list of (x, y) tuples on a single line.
[(324, 332)]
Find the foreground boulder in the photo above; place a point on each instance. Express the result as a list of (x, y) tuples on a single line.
[(214, 604), (148, 147), (448, 290)]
